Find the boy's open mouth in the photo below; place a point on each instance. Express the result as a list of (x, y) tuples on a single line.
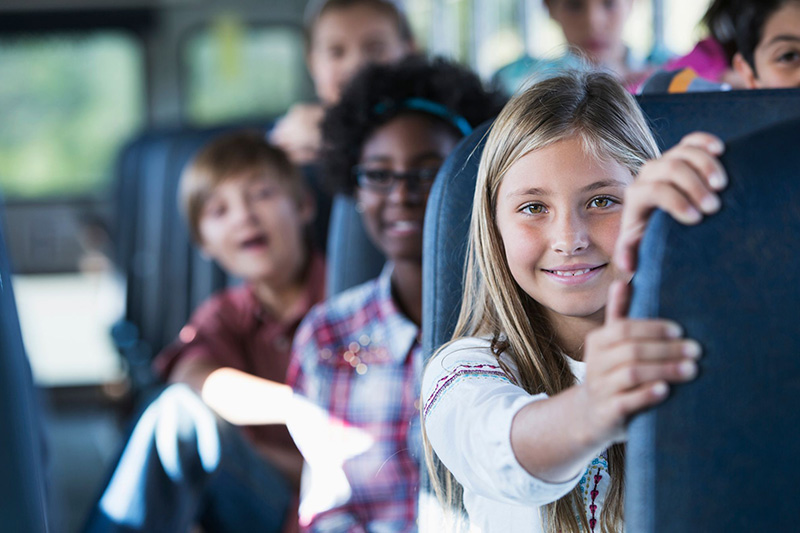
[(254, 242)]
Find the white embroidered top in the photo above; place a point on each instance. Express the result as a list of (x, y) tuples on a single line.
[(469, 404)]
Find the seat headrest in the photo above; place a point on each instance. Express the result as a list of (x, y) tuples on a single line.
[(444, 246)]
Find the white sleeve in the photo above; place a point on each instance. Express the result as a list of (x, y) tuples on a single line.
[(469, 404)]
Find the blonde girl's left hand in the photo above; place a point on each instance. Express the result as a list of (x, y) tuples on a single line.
[(684, 182)]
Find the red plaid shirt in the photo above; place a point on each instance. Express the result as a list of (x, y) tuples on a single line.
[(358, 358)]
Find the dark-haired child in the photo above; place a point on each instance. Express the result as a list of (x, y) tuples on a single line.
[(593, 31), (768, 39), (767, 36), (341, 36), (358, 355), (712, 58), (248, 209)]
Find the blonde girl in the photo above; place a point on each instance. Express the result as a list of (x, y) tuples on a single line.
[(525, 409)]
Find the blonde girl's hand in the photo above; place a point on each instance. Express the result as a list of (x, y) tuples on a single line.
[(629, 366), (683, 182)]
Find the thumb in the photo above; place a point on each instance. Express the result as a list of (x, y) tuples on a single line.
[(619, 299)]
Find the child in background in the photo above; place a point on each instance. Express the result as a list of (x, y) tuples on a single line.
[(593, 31), (709, 66), (358, 355), (527, 405), (768, 38), (341, 37), (247, 208), (712, 58)]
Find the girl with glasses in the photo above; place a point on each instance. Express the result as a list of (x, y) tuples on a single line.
[(358, 355)]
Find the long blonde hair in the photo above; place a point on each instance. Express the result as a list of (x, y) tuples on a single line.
[(595, 108)]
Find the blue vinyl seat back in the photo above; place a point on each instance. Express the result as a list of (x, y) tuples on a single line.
[(22, 486), (352, 257), (166, 276), (725, 114), (718, 455), (444, 244)]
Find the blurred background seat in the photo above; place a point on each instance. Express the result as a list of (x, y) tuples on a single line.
[(22, 473)]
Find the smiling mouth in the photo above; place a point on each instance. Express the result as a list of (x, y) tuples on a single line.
[(255, 242), (573, 273), (405, 225)]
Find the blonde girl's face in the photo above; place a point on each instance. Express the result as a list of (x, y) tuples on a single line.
[(558, 211)]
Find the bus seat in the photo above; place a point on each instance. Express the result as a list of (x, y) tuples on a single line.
[(444, 245), (22, 486), (352, 258), (726, 114), (717, 455), (153, 247)]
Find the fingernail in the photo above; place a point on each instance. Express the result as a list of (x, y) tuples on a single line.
[(660, 389), (674, 331), (693, 215), (716, 146), (687, 369), (718, 180), (692, 348), (710, 203)]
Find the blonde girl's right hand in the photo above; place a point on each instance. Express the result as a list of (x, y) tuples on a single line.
[(684, 182), (630, 364)]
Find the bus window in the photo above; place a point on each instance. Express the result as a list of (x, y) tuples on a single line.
[(74, 99), (69, 101), (681, 29), (452, 33), (238, 71), (500, 32)]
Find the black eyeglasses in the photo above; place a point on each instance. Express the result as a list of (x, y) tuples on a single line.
[(384, 180)]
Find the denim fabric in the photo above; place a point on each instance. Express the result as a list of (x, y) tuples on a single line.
[(155, 491)]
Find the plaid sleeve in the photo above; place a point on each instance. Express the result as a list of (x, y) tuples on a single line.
[(303, 349)]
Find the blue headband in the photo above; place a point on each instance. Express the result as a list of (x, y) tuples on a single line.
[(427, 106)]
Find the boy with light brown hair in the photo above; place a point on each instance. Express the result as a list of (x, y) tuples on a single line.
[(248, 209)]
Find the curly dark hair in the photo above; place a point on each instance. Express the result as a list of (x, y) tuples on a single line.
[(369, 101)]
